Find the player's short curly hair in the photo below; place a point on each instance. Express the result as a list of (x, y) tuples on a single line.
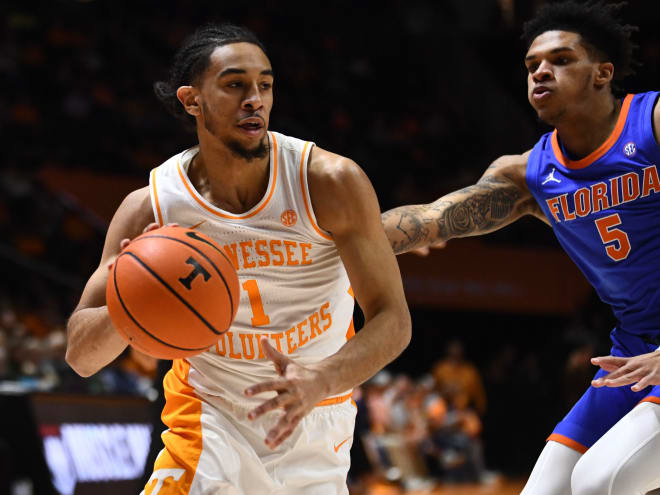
[(604, 35), (193, 58)]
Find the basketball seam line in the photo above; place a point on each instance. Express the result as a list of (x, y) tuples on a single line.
[(121, 301), (168, 287), (217, 270)]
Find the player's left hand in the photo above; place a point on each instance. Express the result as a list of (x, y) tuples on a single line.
[(642, 371), (298, 389)]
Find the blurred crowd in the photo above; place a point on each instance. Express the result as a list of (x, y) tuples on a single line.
[(426, 92), (425, 431)]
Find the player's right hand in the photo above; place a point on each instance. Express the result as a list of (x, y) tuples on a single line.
[(125, 242), (426, 250)]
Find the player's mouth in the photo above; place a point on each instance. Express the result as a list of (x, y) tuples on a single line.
[(252, 126), (541, 93)]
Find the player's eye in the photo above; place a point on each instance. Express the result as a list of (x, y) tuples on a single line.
[(235, 84), (266, 86)]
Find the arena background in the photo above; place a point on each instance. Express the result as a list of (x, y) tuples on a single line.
[(422, 94)]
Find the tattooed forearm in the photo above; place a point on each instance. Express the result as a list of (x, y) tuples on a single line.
[(478, 209), (407, 228)]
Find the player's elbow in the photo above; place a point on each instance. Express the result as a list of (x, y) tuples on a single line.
[(75, 359), (403, 328)]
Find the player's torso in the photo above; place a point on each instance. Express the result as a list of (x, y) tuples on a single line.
[(294, 288), (605, 211)]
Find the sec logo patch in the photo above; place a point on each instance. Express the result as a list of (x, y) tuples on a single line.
[(289, 218)]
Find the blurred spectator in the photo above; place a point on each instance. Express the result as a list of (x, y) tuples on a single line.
[(459, 381)]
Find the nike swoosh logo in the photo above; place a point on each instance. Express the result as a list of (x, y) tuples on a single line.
[(338, 446), (197, 225)]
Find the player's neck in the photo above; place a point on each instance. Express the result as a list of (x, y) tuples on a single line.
[(228, 181), (584, 131)]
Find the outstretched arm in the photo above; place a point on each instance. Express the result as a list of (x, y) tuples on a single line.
[(499, 198)]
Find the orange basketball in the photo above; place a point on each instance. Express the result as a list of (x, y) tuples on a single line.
[(172, 293)]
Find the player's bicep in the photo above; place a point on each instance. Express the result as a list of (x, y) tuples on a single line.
[(349, 209), (132, 216)]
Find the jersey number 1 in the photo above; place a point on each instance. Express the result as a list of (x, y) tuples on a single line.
[(259, 317), (617, 244)]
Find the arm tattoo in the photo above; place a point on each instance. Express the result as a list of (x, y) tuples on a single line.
[(489, 204), (405, 227), (483, 207)]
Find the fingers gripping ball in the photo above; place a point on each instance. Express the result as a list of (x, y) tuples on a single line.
[(172, 293)]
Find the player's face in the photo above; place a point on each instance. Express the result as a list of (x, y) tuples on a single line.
[(560, 74), (236, 98)]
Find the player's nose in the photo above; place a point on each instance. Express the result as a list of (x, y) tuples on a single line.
[(543, 72), (253, 98)]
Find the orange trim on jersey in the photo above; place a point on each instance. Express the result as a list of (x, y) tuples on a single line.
[(556, 437), (335, 400), (155, 191), (602, 149), (183, 441), (216, 211), (351, 331), (650, 398), (308, 207)]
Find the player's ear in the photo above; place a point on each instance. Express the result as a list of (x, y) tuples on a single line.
[(188, 96), (604, 75)]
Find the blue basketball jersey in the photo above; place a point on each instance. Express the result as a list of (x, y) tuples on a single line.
[(605, 211)]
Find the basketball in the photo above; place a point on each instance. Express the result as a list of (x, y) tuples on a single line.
[(172, 293)]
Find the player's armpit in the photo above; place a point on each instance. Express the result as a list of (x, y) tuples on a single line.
[(345, 204), (656, 121), (92, 341), (499, 198)]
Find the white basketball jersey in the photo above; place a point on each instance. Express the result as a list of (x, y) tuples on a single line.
[(294, 288)]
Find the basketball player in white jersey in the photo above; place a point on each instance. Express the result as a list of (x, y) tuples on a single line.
[(268, 409)]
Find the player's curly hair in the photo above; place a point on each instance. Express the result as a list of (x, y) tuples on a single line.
[(193, 58), (604, 35)]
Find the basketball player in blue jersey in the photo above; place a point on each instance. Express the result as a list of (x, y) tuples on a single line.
[(595, 180)]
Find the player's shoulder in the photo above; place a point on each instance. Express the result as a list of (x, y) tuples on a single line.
[(510, 165), (333, 170), (135, 211)]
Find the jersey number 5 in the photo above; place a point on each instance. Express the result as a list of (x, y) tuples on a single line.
[(617, 244)]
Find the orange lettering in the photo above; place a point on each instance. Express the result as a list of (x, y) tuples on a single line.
[(277, 337), (614, 187), (259, 318), (278, 253), (247, 355), (289, 254), (599, 196), (326, 316), (651, 181), (630, 186), (261, 251), (246, 254), (261, 351), (314, 325), (568, 215), (290, 345), (302, 338), (230, 250), (232, 354), (582, 202), (553, 204), (305, 247), (224, 346)]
